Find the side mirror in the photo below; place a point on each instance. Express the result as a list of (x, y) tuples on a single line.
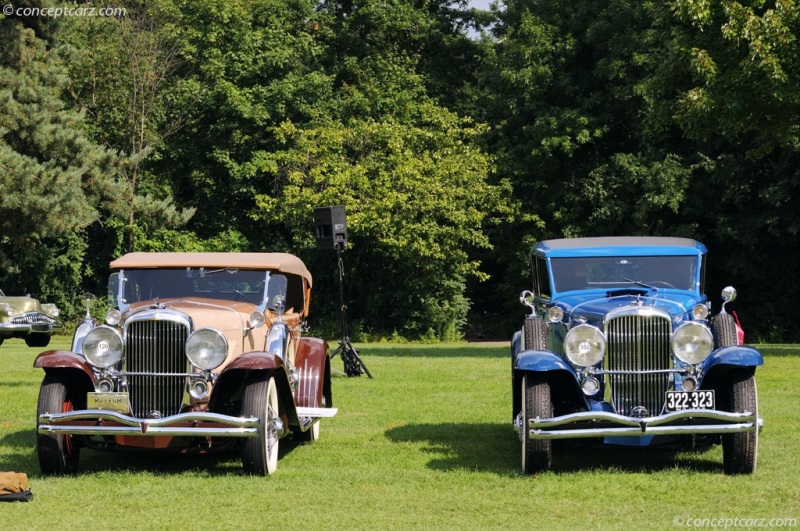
[(728, 295)]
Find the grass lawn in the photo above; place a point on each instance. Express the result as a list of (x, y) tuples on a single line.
[(426, 444)]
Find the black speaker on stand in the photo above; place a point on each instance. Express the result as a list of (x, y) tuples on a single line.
[(330, 225)]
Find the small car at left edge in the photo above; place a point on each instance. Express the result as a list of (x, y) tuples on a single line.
[(25, 318), (200, 352)]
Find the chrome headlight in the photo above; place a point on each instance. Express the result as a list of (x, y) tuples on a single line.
[(113, 317), (103, 346), (692, 342), (51, 310), (206, 348), (700, 312), (585, 345), (5, 309)]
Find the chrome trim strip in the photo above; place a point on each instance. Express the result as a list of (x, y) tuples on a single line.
[(620, 425), (317, 412), (234, 426)]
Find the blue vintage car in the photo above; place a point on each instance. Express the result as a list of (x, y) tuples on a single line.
[(620, 347)]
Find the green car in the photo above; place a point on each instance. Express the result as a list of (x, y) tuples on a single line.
[(25, 318)]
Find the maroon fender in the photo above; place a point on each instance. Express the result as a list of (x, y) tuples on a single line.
[(63, 359), (311, 362), (252, 361)]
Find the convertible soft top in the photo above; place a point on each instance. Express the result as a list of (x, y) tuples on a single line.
[(286, 263)]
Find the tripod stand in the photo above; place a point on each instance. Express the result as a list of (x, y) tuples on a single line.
[(353, 365)]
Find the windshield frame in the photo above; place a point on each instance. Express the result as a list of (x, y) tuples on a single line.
[(121, 278)]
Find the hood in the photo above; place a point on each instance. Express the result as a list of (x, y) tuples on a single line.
[(230, 318), (21, 304), (592, 307)]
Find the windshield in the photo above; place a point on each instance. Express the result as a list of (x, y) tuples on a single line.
[(223, 284), (678, 272)]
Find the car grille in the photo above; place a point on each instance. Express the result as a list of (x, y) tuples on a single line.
[(638, 343), (156, 347), (31, 318)]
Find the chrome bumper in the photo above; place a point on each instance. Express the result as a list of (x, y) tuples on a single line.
[(602, 424), (105, 422), (197, 424), (31, 328)]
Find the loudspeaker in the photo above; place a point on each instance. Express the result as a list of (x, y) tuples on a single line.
[(330, 224)]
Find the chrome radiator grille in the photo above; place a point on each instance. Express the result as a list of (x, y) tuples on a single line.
[(30, 318), (157, 349), (638, 343)]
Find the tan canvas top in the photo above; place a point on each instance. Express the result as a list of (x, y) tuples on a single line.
[(284, 262)]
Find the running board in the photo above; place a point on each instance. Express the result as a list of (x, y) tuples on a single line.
[(317, 412)]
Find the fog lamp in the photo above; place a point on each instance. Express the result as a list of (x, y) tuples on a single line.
[(700, 312), (689, 383), (555, 314), (113, 317)]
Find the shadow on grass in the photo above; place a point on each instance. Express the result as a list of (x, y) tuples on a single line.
[(468, 350), (495, 448), (220, 463)]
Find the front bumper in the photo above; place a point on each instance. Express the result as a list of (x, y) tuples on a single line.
[(192, 424), (30, 328), (603, 424)]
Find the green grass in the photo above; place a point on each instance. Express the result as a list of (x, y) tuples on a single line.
[(427, 444)]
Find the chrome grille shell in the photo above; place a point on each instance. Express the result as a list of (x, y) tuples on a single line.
[(638, 360), (155, 362)]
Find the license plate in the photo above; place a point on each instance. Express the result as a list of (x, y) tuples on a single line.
[(112, 401), (678, 400)]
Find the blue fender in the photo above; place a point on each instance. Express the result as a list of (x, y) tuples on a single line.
[(738, 355), (541, 361)]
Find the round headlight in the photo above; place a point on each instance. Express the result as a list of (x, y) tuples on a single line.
[(555, 314), (700, 312), (692, 342), (257, 320), (113, 317), (585, 345), (206, 348), (102, 346)]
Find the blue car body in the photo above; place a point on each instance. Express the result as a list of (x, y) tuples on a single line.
[(620, 347)]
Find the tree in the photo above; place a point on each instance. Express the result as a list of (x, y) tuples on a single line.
[(55, 181)]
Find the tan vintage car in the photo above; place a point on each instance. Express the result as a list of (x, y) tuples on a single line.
[(23, 317), (202, 352)]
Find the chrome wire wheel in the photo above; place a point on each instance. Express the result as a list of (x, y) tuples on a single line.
[(260, 399)]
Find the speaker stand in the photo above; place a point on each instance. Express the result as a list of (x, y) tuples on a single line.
[(353, 364)]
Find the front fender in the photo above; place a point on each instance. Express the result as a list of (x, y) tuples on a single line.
[(63, 359), (541, 361), (726, 359), (312, 364), (564, 386)]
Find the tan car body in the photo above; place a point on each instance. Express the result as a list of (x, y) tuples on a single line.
[(125, 402)]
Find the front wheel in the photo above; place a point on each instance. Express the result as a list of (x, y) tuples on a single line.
[(260, 399), (537, 454), (58, 453), (740, 450)]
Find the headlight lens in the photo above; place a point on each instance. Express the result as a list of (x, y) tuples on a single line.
[(692, 342), (103, 346), (113, 317), (51, 310), (206, 348), (700, 312), (585, 345)]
